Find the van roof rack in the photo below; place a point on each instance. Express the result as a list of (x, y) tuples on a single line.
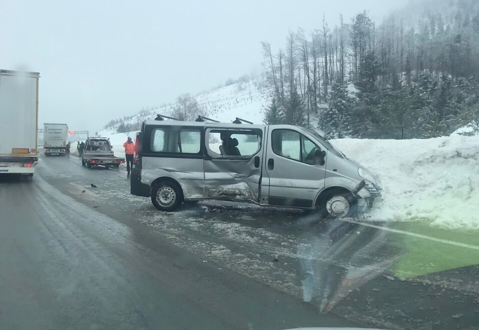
[(203, 118), (240, 121), (162, 117)]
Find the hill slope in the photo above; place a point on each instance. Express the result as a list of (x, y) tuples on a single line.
[(244, 99)]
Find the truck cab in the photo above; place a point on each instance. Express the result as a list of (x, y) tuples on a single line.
[(270, 165)]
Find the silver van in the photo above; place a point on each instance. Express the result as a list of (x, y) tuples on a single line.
[(270, 165)]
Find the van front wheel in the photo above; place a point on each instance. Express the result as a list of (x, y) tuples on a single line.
[(339, 204), (166, 196)]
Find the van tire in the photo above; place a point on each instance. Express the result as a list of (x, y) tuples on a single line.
[(166, 196), (88, 165), (338, 196), (82, 162)]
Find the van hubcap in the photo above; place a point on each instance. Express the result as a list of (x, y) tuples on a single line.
[(165, 196), (338, 206)]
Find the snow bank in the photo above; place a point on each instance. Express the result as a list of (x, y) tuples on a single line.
[(468, 130), (434, 180)]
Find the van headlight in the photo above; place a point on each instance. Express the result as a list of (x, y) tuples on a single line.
[(366, 175)]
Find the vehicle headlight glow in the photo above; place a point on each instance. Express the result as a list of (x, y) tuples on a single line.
[(366, 175)]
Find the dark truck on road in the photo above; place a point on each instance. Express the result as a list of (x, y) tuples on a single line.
[(98, 152)]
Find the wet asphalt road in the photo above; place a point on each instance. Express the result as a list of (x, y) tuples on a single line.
[(77, 257)]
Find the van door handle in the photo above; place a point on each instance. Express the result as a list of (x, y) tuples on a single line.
[(270, 164), (256, 161)]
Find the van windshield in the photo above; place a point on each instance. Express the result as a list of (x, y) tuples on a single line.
[(326, 143)]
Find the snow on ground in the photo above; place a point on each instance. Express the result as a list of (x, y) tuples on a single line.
[(433, 180)]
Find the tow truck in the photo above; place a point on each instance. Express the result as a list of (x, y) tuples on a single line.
[(98, 152)]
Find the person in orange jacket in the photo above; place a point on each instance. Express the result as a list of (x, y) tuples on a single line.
[(129, 152)]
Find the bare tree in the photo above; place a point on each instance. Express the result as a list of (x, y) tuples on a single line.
[(187, 108), (268, 55), (325, 49)]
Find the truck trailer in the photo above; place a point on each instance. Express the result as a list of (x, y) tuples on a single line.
[(18, 122)]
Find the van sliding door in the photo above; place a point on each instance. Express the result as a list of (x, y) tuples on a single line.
[(233, 163)]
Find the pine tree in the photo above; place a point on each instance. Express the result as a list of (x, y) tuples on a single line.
[(369, 72), (121, 128), (443, 108), (294, 109), (335, 121), (274, 114)]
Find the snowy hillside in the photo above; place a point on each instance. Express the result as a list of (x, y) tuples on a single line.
[(244, 99)]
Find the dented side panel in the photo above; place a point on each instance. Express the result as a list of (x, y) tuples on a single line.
[(234, 179), (188, 173)]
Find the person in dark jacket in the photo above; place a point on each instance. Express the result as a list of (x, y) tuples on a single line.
[(82, 147)]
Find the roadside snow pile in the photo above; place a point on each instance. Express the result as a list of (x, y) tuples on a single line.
[(470, 129), (435, 180)]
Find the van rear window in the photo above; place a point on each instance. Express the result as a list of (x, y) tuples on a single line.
[(176, 140)]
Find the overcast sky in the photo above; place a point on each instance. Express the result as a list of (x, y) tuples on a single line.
[(101, 60)]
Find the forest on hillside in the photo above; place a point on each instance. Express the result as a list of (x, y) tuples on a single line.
[(415, 75)]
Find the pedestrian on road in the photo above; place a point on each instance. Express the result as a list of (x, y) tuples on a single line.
[(78, 149), (129, 152), (82, 147)]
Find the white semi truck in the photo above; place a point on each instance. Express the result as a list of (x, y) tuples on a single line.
[(18, 122), (55, 139)]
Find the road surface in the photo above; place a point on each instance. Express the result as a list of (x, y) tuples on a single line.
[(73, 256)]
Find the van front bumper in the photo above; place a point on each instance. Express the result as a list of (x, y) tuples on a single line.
[(368, 195)]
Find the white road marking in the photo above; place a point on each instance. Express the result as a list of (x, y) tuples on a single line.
[(403, 232)]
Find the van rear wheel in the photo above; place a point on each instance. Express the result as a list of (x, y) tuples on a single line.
[(166, 196)]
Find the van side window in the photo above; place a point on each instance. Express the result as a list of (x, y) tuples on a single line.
[(190, 141), (158, 140), (176, 140), (243, 143), (293, 145), (286, 143)]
